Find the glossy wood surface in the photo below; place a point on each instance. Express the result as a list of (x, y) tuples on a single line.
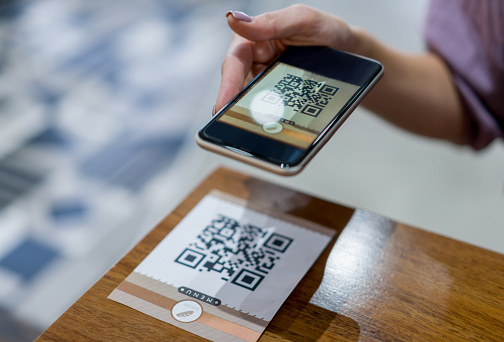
[(378, 280)]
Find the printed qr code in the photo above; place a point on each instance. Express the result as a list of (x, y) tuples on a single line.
[(303, 96), (242, 254)]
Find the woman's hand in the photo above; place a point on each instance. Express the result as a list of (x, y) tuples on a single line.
[(416, 93), (257, 41)]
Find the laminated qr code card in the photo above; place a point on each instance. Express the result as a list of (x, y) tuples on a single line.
[(224, 271)]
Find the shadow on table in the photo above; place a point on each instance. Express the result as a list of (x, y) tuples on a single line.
[(301, 320)]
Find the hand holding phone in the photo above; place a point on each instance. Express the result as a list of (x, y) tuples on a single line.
[(289, 111)]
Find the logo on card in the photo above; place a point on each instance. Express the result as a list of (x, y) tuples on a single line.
[(186, 311)]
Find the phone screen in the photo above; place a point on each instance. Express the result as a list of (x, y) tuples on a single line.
[(290, 105)]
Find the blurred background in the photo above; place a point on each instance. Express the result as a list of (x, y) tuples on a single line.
[(99, 105)]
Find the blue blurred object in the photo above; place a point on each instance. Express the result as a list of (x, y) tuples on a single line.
[(29, 259), (132, 165), (52, 137), (17, 180), (13, 330), (9, 9), (73, 209)]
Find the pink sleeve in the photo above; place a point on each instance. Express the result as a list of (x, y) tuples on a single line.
[(469, 36)]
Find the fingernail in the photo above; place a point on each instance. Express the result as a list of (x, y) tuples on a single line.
[(213, 110), (240, 16)]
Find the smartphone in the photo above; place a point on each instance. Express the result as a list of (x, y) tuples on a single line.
[(281, 119)]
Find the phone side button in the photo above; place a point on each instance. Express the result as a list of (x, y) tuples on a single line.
[(272, 127)]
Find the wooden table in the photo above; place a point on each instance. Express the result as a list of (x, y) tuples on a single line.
[(378, 280)]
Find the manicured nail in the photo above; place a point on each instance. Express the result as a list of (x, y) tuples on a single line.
[(213, 110), (240, 16)]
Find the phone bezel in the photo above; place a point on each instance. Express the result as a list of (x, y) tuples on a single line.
[(277, 156)]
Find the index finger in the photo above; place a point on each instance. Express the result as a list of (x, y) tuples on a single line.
[(296, 25)]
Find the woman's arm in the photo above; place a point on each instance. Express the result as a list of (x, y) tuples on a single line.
[(416, 92)]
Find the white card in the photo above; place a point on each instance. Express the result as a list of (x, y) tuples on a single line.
[(226, 256)]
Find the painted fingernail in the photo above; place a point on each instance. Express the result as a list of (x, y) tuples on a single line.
[(240, 16)]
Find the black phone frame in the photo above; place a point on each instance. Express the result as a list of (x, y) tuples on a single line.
[(325, 61)]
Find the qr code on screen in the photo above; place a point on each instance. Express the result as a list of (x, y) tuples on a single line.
[(303, 96), (242, 254)]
